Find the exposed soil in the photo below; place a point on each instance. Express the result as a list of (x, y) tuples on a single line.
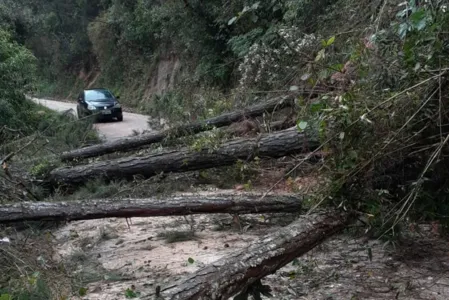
[(111, 258)]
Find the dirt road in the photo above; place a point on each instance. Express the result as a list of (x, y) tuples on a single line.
[(108, 130)]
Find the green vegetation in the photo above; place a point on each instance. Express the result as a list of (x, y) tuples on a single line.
[(385, 131), (113, 43), (29, 130), (377, 69), (380, 77), (176, 236), (17, 66), (30, 136)]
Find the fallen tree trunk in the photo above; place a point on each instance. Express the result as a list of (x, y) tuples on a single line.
[(239, 271), (152, 207), (273, 145), (132, 143)]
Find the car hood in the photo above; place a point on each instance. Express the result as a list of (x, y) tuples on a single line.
[(103, 102)]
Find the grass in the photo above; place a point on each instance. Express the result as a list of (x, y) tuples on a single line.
[(34, 150), (47, 134), (176, 236), (28, 270), (89, 270), (107, 233)]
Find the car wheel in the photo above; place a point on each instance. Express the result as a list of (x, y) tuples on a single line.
[(120, 118)]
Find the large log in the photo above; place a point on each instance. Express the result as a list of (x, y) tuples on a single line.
[(274, 145), (150, 207), (239, 271), (132, 143)]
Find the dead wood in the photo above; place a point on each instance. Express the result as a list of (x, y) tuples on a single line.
[(152, 207), (133, 143), (273, 145), (242, 271)]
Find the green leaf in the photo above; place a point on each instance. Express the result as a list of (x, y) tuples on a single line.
[(316, 107), (402, 13), (254, 18), (419, 19), (321, 54), (232, 21), (305, 76), (330, 41), (35, 274), (130, 294), (256, 5), (302, 125), (402, 31), (292, 275), (5, 297), (191, 260), (82, 291), (323, 43), (294, 88), (338, 67)]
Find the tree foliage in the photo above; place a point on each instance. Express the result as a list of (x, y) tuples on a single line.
[(17, 69)]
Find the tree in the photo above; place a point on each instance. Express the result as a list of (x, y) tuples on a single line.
[(17, 69)]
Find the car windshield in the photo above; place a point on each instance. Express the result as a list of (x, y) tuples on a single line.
[(97, 95)]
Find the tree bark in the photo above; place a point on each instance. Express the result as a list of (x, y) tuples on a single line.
[(132, 143), (152, 207), (236, 272), (273, 145)]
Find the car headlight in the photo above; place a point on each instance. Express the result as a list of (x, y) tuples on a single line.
[(91, 107), (117, 105)]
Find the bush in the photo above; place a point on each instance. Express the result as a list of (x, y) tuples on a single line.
[(385, 127), (17, 66), (28, 272)]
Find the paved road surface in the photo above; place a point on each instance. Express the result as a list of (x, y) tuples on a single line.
[(108, 130)]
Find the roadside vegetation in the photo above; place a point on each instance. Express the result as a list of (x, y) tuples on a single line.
[(31, 135), (369, 79)]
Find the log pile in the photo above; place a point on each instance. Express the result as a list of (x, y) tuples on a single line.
[(239, 273), (273, 145), (133, 143)]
